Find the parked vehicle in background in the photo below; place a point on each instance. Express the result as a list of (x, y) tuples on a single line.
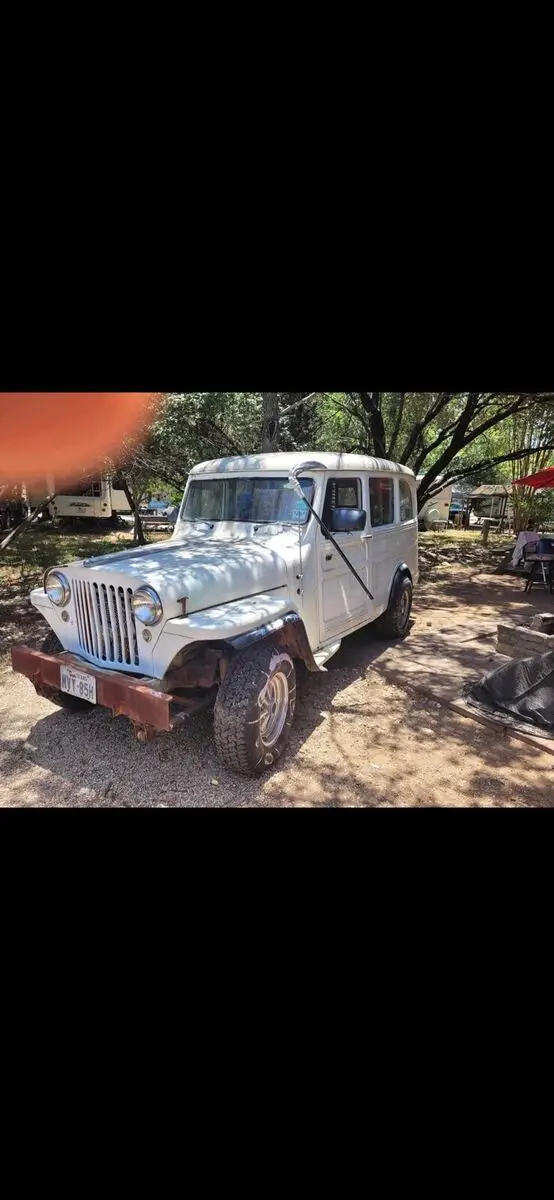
[(172, 516), (492, 501), (274, 560), (97, 499), (435, 513)]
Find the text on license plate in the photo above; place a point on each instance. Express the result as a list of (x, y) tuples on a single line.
[(78, 683)]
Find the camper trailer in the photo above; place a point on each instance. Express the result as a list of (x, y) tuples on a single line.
[(97, 499), (435, 514), (493, 501)]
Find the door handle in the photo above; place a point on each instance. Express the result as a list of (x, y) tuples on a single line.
[(367, 537), (328, 557)]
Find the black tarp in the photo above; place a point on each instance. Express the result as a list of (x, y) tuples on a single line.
[(521, 690)]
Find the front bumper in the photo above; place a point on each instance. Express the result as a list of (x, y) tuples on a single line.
[(150, 710)]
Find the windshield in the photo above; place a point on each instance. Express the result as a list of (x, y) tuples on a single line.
[(259, 499)]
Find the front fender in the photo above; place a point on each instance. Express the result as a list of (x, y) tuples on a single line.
[(288, 632), (225, 623), (238, 625)]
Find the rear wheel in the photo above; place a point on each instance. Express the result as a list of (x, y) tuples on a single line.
[(52, 645), (254, 710), (394, 623)]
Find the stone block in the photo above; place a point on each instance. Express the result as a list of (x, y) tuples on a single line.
[(522, 641)]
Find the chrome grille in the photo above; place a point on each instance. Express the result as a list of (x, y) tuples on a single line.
[(105, 623)]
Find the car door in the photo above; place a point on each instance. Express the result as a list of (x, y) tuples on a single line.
[(384, 541), (344, 605)]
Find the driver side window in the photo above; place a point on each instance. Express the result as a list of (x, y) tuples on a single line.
[(341, 493)]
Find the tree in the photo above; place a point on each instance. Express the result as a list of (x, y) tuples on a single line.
[(187, 428), (270, 422), (134, 469), (443, 436), (532, 429), (373, 423), (466, 420), (27, 522), (289, 421)]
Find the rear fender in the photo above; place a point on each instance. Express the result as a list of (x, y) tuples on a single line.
[(402, 572)]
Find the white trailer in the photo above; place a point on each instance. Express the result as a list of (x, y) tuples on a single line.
[(435, 513), (97, 499)]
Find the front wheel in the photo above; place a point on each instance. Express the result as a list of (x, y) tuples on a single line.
[(394, 623), (254, 710)]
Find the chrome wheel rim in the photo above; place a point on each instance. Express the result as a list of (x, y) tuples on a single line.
[(405, 606), (274, 706)]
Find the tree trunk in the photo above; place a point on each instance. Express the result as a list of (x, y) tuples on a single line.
[(139, 531), (371, 404), (270, 422), (26, 524), (397, 424)]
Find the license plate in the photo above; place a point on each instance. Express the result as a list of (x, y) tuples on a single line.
[(78, 683)]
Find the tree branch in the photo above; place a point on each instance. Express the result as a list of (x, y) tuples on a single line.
[(29, 520), (352, 412), (432, 413), (397, 425), (494, 420), (486, 464), (295, 405)]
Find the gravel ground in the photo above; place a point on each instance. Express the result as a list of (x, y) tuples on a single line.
[(357, 740)]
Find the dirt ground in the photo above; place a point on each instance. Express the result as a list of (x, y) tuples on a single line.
[(364, 734)]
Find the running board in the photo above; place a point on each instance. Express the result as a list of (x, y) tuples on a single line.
[(326, 653)]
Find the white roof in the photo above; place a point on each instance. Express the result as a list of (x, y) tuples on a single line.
[(286, 462)]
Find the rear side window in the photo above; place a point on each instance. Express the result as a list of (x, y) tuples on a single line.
[(406, 501), (381, 499)]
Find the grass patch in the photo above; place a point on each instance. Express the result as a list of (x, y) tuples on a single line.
[(457, 537), (456, 548), (23, 564)]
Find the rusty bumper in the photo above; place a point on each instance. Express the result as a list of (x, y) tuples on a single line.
[(150, 711)]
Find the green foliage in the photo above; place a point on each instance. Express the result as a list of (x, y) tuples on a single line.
[(300, 429), (473, 437), (195, 426), (534, 507)]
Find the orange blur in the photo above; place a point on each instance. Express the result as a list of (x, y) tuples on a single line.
[(65, 433)]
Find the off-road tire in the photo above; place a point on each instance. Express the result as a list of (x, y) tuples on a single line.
[(238, 710), (395, 621), (52, 645)]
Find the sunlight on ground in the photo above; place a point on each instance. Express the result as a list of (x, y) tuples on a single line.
[(27, 558)]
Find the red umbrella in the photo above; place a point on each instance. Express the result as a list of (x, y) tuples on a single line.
[(543, 479)]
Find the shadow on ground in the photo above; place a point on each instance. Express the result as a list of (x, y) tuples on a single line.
[(359, 739)]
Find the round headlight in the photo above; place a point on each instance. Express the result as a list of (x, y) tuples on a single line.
[(57, 588), (147, 606)]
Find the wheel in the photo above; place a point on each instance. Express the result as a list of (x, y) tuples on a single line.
[(52, 645), (394, 623), (254, 710)]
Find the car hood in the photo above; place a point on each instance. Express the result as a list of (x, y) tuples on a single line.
[(214, 572)]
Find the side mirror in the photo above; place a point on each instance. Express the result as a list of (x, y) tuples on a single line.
[(348, 520)]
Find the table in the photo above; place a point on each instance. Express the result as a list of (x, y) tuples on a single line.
[(538, 569)]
